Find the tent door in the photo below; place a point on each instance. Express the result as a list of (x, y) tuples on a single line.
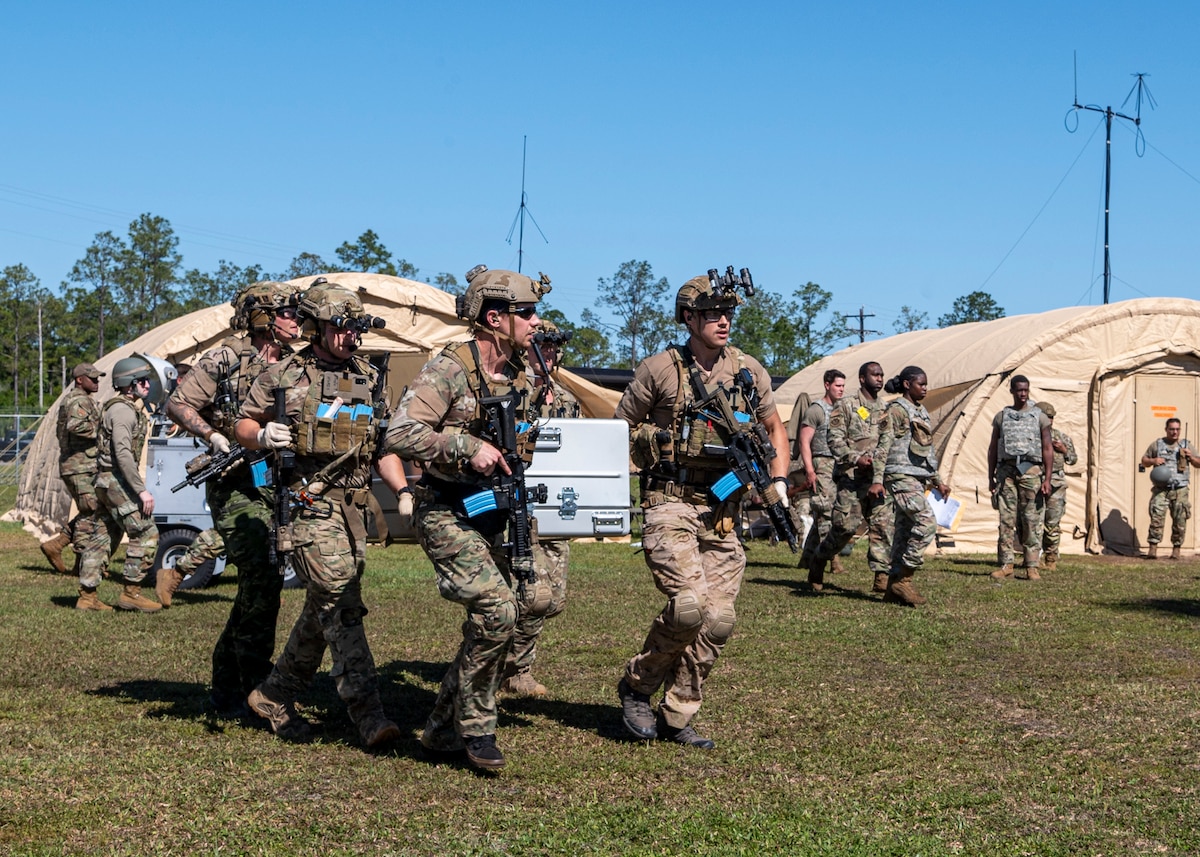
[(1159, 397)]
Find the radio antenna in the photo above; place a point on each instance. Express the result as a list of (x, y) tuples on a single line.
[(518, 224), (1139, 91)]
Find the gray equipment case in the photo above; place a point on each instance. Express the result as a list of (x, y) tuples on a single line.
[(584, 464)]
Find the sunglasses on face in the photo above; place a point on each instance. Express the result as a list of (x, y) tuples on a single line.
[(525, 312), (716, 314)]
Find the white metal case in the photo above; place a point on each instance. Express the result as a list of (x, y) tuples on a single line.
[(584, 464)]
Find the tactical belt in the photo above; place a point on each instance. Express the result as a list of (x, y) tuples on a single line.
[(677, 490)]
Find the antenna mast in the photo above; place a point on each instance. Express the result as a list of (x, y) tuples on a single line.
[(1140, 88), (518, 223)]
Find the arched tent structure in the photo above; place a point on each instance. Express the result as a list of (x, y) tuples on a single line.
[(420, 321), (1114, 373)]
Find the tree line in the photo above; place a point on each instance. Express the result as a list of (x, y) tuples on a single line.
[(124, 286)]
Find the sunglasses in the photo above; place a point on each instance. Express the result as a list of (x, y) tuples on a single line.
[(286, 312), (525, 312), (716, 314)]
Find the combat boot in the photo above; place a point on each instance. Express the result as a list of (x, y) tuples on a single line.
[(53, 548), (1032, 574), (523, 684), (166, 583), (881, 582), (1003, 571), (281, 717), (482, 752), (636, 713), (835, 564), (1152, 552), (687, 736), (1050, 563), (88, 600), (816, 574), (900, 590), (132, 599), (377, 731), (1175, 552)]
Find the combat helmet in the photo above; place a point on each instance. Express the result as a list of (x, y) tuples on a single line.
[(254, 305), (130, 369), (712, 291), (506, 286), (335, 304)]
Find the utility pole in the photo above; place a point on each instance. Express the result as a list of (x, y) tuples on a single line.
[(1139, 87), (862, 315)]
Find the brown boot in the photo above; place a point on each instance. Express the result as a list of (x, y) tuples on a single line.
[(523, 684), (835, 565), (88, 600), (377, 731), (1032, 574), (1152, 552), (881, 582), (53, 548), (1050, 563), (1003, 571), (132, 599), (165, 584), (1175, 552), (281, 716), (900, 590)]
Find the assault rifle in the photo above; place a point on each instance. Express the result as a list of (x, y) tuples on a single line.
[(509, 492), (208, 466), (282, 464), (748, 453)]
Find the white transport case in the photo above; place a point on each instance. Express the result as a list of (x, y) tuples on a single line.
[(584, 464)]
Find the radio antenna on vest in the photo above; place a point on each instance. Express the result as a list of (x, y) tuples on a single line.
[(1139, 90), (518, 224)]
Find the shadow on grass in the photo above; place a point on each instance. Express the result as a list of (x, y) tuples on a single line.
[(1174, 606), (799, 588)]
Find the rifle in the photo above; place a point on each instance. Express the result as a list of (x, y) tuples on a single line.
[(284, 460), (748, 453), (509, 492), (206, 466)]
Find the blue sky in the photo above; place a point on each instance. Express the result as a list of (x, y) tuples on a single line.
[(893, 153)]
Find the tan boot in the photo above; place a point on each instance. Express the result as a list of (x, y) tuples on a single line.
[(900, 590), (1050, 563), (835, 565), (282, 717), (1032, 574), (165, 584), (1175, 552), (88, 600), (1152, 552), (523, 684), (1003, 571), (53, 548), (881, 582), (132, 599)]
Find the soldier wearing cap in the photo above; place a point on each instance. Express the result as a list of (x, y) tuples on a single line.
[(331, 420), (441, 425), (1056, 502), (77, 428), (689, 538), (124, 504), (206, 405)]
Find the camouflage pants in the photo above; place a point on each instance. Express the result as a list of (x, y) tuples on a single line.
[(1020, 498), (1178, 502), (241, 659), (208, 545), (915, 524), (824, 495), (700, 572), (82, 488), (1056, 507), (119, 512), (552, 565), (472, 570), (330, 560), (853, 510)]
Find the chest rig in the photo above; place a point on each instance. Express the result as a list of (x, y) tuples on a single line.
[(466, 355), (233, 382), (105, 457), (339, 415)]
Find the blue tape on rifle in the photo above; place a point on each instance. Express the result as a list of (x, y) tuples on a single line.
[(477, 504), (726, 485), (740, 417), (260, 471)]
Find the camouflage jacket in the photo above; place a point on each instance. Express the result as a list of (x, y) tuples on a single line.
[(1058, 476), (220, 382), (123, 429), (854, 431), (78, 432)]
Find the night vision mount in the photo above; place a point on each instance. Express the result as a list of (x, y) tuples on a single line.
[(726, 284)]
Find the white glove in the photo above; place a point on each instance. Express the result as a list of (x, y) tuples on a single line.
[(404, 503), (274, 436), (781, 488), (218, 443)]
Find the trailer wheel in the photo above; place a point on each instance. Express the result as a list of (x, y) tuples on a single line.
[(172, 545)]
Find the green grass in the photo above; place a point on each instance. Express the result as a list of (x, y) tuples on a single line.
[(1053, 718)]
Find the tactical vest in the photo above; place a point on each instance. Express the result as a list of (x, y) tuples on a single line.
[(820, 440), (76, 453), (104, 456), (234, 384), (338, 414), (911, 453), (1021, 435), (1174, 460), (694, 428)]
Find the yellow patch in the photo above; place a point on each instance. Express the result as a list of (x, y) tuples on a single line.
[(863, 413)]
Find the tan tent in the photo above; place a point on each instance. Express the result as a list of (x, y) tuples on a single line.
[(420, 321), (1114, 373)]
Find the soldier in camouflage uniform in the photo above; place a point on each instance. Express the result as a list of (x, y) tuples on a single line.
[(1020, 460), (78, 426), (206, 404), (853, 436), (332, 411), (1056, 503), (441, 425), (124, 504), (818, 464), (902, 466), (690, 542), (1169, 457)]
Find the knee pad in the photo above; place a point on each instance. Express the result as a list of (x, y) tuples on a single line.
[(685, 611), (722, 626)]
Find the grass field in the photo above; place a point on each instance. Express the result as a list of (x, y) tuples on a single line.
[(1052, 718)]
